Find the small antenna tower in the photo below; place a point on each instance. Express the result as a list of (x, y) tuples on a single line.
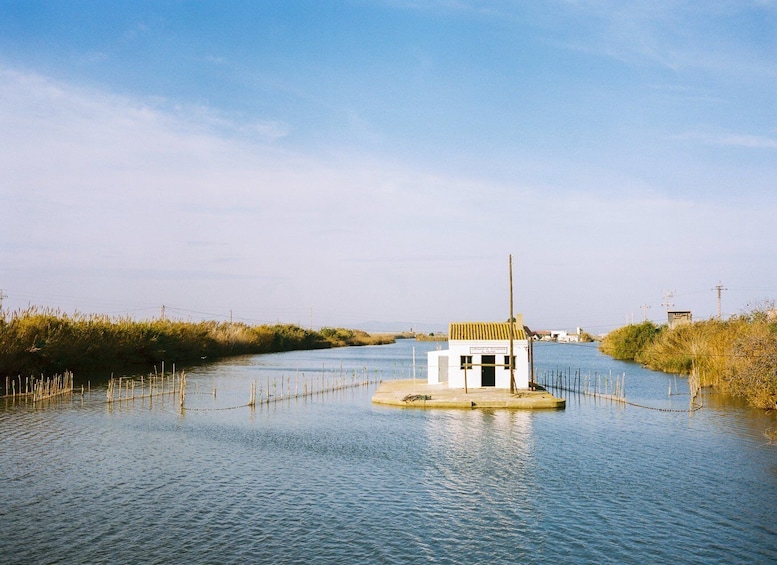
[(719, 287), (668, 300)]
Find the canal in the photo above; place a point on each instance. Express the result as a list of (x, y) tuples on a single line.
[(332, 478)]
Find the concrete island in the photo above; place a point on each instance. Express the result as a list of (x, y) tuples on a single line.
[(486, 365), (419, 394)]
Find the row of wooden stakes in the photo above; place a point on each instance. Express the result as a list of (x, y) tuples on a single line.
[(39, 389), (125, 389)]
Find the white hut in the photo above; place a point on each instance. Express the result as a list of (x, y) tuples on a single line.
[(478, 356)]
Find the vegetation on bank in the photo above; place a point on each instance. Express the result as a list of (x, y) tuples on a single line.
[(585, 337), (431, 337), (737, 356), (36, 341)]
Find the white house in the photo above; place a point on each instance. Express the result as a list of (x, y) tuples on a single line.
[(478, 355)]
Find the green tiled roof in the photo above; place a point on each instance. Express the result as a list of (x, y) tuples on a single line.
[(468, 331)]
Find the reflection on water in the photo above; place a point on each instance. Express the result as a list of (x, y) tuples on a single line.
[(333, 478), (479, 475), (464, 445)]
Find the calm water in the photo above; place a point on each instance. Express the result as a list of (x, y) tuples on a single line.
[(335, 479)]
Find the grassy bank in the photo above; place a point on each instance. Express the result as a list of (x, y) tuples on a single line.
[(432, 337), (36, 341), (736, 356)]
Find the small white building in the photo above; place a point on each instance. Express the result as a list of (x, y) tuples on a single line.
[(564, 336), (478, 355)]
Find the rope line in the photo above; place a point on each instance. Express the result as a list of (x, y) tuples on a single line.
[(187, 409), (694, 407)]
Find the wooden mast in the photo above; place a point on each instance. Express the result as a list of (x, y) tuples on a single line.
[(512, 331)]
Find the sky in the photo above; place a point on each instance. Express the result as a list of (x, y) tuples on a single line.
[(375, 163)]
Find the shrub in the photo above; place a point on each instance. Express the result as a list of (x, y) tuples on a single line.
[(628, 342)]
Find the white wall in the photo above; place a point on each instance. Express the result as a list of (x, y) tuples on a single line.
[(476, 349), (436, 367)]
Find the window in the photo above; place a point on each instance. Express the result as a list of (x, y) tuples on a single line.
[(466, 361)]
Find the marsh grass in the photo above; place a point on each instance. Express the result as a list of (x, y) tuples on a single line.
[(628, 342), (40, 340), (736, 356)]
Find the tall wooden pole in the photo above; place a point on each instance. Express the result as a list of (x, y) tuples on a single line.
[(512, 331), (532, 385)]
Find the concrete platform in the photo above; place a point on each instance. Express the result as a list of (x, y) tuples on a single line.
[(418, 394)]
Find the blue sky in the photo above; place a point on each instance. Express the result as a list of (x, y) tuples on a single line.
[(373, 163)]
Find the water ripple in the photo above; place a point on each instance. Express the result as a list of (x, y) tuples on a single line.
[(335, 479)]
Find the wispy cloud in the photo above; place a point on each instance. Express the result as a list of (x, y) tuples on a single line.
[(98, 188), (751, 141), (746, 141), (679, 36)]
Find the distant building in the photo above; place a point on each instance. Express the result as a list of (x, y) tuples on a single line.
[(678, 318), (542, 335), (478, 354), (561, 336)]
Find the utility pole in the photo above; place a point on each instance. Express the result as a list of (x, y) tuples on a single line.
[(719, 288), (2, 295), (668, 303), (512, 330), (162, 313), (644, 310)]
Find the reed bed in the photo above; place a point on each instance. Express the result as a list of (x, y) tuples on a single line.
[(737, 356), (39, 340), (431, 337)]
